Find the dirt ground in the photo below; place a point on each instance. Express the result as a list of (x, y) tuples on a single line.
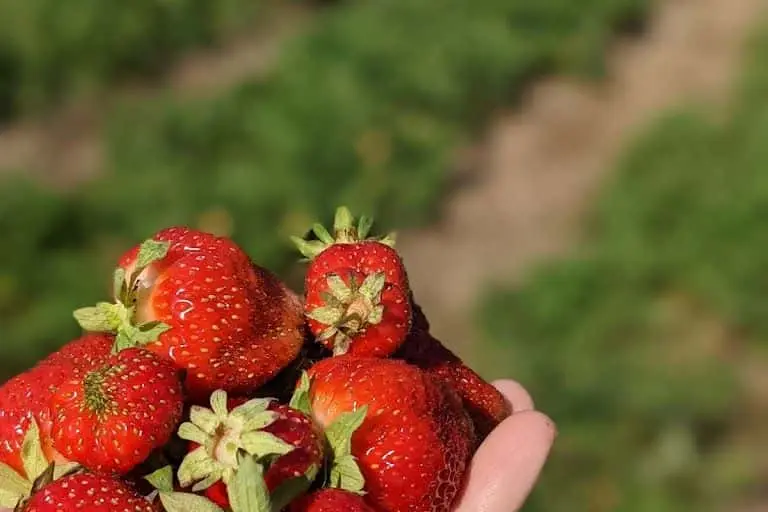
[(538, 168)]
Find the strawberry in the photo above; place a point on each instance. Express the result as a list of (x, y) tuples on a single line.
[(350, 248), (411, 437), (26, 396), (111, 417), (80, 355), (283, 439), (38, 470), (350, 312), (94, 493), (330, 500), (197, 300), (485, 404)]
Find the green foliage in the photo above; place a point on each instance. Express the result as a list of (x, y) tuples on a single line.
[(51, 49), (638, 346), (365, 109)]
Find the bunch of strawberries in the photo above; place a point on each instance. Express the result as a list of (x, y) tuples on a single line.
[(208, 385)]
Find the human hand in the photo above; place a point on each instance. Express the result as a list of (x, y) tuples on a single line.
[(507, 464)]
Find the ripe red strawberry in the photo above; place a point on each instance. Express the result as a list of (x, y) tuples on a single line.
[(110, 418), (414, 442), (197, 300), (485, 404), (350, 248), (283, 438), (80, 355), (94, 493), (27, 396), (330, 500), (350, 312)]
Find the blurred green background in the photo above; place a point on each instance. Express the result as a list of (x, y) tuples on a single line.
[(640, 326)]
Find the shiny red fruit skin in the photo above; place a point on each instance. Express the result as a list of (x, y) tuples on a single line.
[(293, 427), (366, 257), (28, 394), (112, 417), (234, 325), (485, 404), (330, 500), (377, 340), (88, 492), (416, 441)]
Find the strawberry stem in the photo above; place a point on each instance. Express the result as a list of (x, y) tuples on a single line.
[(224, 437), (345, 231), (120, 317), (349, 309)]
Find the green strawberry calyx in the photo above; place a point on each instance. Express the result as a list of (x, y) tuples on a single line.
[(120, 316), (16, 489), (343, 470), (349, 309), (345, 231), (225, 438), (173, 501)]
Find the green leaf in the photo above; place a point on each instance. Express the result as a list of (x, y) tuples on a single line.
[(206, 482), (151, 251), (119, 284), (300, 399), (260, 420), (341, 344), (204, 418), (122, 342), (161, 479), (364, 225), (373, 286), (339, 288), (219, 404), (346, 474), (322, 233), (250, 410), (13, 487), (261, 444), (376, 315), (247, 490), (32, 456), (8, 499), (308, 248), (292, 488), (390, 239), (44, 478), (148, 332), (65, 468), (343, 220), (330, 333), (326, 315), (191, 432), (197, 465), (339, 433), (186, 502), (99, 318)]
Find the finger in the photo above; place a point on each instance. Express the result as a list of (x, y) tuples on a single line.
[(508, 463), (515, 393)]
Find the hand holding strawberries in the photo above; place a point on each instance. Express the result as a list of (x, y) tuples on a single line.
[(163, 407)]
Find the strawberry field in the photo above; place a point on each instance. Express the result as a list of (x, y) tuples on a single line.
[(51, 51), (350, 115), (647, 343)]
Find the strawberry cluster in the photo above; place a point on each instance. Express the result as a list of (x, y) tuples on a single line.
[(208, 385)]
